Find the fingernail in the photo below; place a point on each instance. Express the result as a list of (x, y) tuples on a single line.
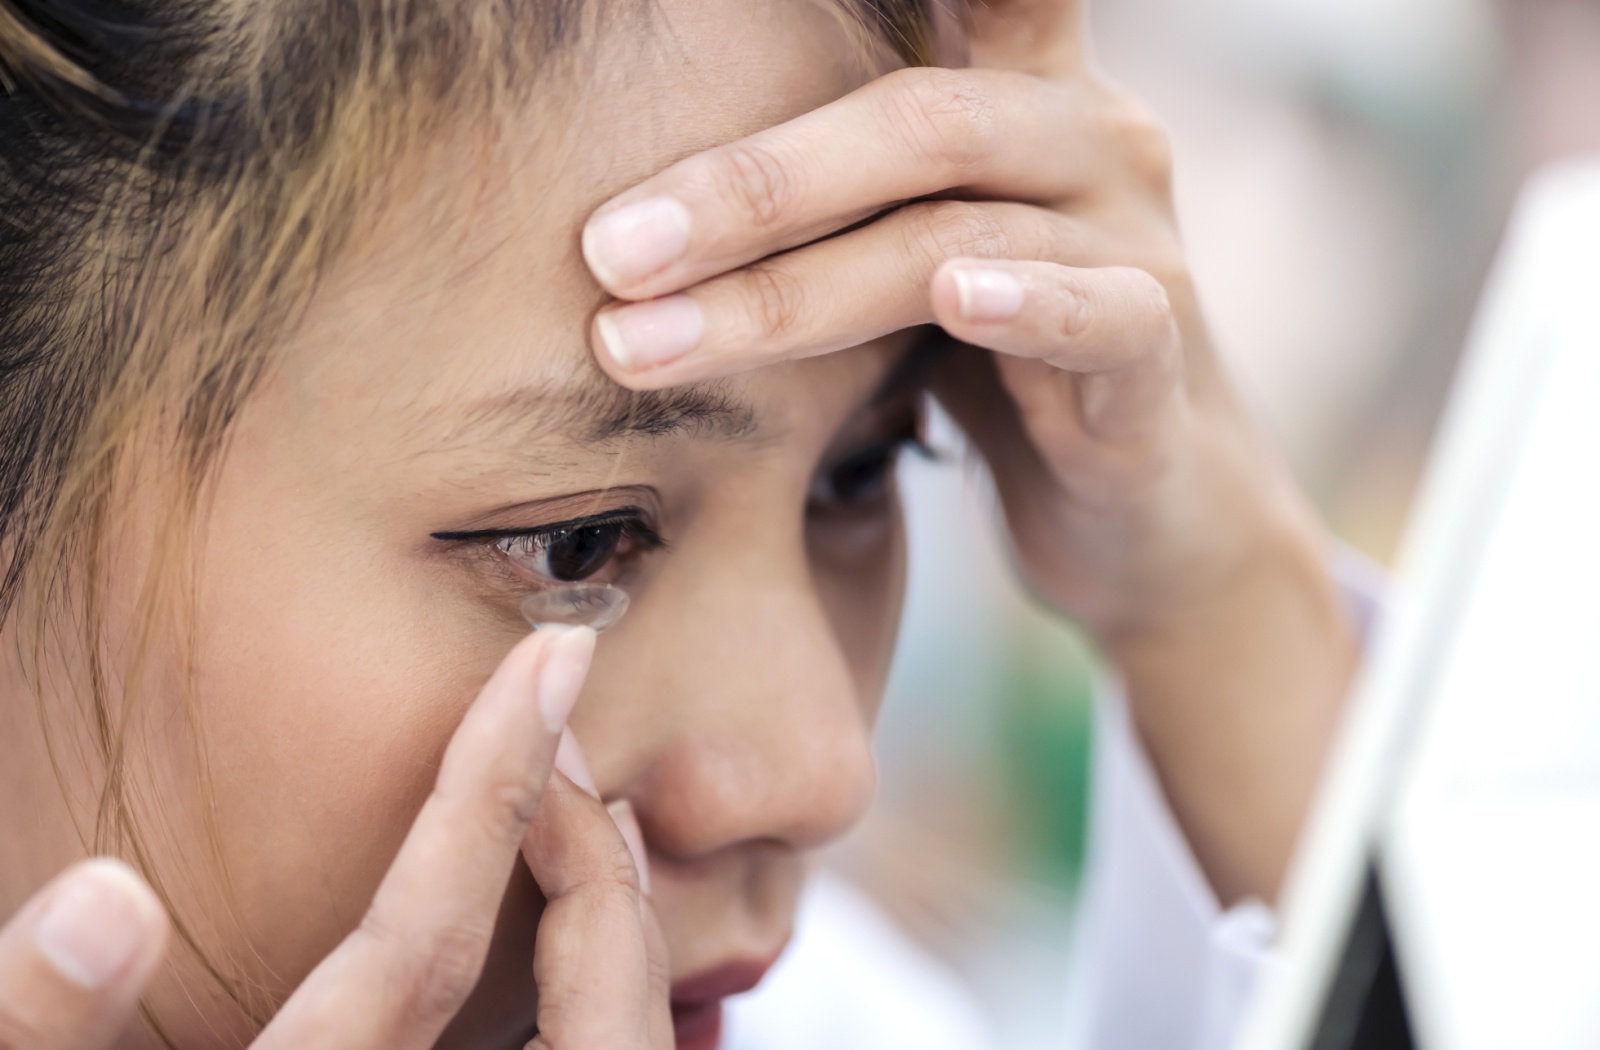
[(637, 240), (567, 652), (644, 335), (570, 760), (96, 923), (988, 295), (628, 823)]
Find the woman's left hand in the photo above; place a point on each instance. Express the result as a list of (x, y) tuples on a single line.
[(1039, 227)]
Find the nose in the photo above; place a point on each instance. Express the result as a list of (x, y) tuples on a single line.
[(764, 734)]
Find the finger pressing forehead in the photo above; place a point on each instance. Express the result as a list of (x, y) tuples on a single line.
[(911, 134)]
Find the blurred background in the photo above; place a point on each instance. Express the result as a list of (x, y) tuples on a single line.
[(1343, 174)]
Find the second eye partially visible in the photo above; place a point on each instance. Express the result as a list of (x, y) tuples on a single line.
[(860, 477)]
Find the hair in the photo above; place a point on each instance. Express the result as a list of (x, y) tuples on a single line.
[(175, 175)]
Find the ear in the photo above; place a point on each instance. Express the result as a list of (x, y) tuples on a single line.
[(1042, 37)]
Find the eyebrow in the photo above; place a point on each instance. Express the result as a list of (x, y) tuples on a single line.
[(596, 410)]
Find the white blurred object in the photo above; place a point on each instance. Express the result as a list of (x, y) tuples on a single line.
[(852, 981), (1494, 851), (1471, 755)]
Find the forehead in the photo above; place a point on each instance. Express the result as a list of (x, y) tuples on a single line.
[(471, 286)]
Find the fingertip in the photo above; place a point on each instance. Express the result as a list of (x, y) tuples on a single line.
[(548, 665), (567, 654), (980, 291), (102, 923), (612, 353), (608, 343), (944, 292), (594, 257), (521, 663), (572, 764), (625, 243)]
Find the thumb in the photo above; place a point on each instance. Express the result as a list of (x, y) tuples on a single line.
[(74, 960), (600, 960)]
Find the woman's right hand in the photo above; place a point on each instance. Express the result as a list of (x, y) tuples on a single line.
[(76, 957)]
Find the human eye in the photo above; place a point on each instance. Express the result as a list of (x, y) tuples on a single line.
[(862, 478), (598, 547)]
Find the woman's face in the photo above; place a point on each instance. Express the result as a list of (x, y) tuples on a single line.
[(439, 398)]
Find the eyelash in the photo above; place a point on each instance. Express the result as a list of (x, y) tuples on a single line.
[(880, 459), (621, 534)]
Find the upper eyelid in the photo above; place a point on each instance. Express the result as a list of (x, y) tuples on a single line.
[(621, 516), (884, 424), (913, 441)]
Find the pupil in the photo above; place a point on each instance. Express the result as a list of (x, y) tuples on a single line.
[(579, 553), (856, 478)]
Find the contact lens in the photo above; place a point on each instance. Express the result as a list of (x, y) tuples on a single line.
[(597, 605)]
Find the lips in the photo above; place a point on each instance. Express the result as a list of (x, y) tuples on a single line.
[(697, 1001)]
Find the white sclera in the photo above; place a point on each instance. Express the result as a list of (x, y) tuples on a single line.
[(597, 605)]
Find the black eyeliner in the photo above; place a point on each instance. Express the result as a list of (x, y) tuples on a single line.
[(631, 518)]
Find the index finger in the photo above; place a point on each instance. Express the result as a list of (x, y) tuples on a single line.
[(402, 975), (910, 134)]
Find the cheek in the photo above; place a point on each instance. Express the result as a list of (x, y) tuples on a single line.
[(323, 745), (861, 583), (328, 688)]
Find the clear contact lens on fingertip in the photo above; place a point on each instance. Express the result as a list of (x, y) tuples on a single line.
[(596, 605)]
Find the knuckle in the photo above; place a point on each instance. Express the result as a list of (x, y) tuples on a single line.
[(622, 873), (1034, 233), (1145, 144), (513, 802), (1075, 313), (449, 972), (436, 972), (1148, 301), (949, 114), (1168, 268), (776, 300), (1153, 294), (756, 181), (951, 229)]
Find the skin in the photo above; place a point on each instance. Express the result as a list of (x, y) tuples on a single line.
[(1138, 497)]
